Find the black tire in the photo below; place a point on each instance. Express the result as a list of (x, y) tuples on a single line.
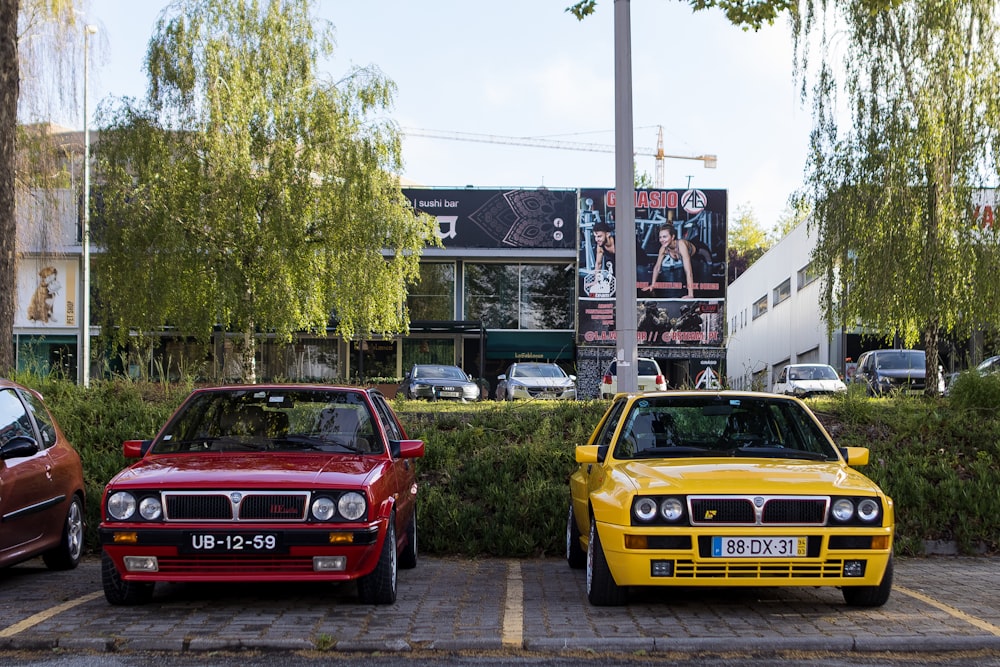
[(870, 596), (67, 555), (379, 587), (408, 556), (575, 555), (602, 591), (119, 592)]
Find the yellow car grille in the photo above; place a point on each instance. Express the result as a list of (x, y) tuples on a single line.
[(686, 569), (758, 510)]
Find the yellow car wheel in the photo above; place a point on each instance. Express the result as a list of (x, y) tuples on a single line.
[(602, 591)]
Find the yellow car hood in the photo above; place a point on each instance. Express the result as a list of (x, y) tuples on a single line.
[(741, 476)]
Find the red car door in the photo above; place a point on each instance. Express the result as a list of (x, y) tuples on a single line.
[(25, 482)]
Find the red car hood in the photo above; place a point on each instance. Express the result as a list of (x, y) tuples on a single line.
[(749, 476), (253, 470)]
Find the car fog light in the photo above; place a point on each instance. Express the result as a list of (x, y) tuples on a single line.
[(854, 568), (141, 564), (329, 563), (661, 568)]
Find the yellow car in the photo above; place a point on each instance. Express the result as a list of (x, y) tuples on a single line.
[(724, 489)]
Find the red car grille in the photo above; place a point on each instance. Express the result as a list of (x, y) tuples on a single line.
[(230, 566), (235, 506), (758, 510)]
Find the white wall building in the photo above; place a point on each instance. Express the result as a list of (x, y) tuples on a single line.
[(774, 316)]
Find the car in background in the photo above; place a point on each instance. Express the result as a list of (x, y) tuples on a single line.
[(805, 380), (439, 381), (265, 483), (42, 494), (885, 372), (650, 377), (722, 488), (535, 380)]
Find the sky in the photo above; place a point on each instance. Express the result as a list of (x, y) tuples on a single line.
[(527, 68)]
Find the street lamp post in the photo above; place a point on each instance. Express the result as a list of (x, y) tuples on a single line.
[(626, 317), (83, 361)]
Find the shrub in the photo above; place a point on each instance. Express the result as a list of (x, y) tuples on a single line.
[(494, 480)]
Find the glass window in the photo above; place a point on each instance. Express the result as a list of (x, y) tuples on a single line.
[(520, 296), (782, 291), (433, 298), (427, 351), (42, 419), (760, 307), (546, 297), (14, 421), (806, 275)]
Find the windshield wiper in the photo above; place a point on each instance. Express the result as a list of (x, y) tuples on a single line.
[(318, 444), (670, 451), (777, 452)]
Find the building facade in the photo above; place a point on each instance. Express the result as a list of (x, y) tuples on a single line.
[(775, 318)]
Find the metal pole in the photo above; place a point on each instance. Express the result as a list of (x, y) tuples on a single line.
[(83, 362), (626, 317)]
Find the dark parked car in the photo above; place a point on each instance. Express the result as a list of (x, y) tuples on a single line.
[(535, 380), (894, 371), (434, 381), (265, 483), (41, 484)]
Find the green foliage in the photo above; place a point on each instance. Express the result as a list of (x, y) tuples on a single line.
[(249, 193), (494, 479), (894, 186), (748, 14), (976, 393)]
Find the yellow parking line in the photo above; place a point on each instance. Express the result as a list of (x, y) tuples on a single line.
[(42, 616), (951, 611), (513, 608)]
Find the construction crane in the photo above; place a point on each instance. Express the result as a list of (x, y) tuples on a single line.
[(708, 160)]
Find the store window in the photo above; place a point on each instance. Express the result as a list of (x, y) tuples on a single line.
[(519, 296), (427, 351), (433, 298)]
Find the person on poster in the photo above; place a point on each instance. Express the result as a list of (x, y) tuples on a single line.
[(605, 251), (673, 251)]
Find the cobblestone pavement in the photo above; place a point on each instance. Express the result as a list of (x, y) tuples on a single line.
[(938, 604)]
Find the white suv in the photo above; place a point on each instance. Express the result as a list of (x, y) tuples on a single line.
[(650, 377)]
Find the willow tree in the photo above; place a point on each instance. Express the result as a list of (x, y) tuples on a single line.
[(906, 123), (247, 191), (37, 72)]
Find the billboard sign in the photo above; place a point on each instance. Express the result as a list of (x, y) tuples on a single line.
[(680, 278), (513, 218)]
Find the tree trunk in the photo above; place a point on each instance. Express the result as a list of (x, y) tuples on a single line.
[(248, 357), (9, 91), (931, 333)]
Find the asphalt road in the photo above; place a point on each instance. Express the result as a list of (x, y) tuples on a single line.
[(939, 605)]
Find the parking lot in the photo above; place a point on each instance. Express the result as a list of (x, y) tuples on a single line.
[(938, 604)]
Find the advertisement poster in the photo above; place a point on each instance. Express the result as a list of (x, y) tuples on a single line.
[(680, 277), (46, 293), (661, 323), (471, 218)]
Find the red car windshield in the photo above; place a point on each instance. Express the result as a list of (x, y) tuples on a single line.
[(272, 419)]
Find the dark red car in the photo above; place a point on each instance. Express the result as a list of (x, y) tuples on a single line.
[(41, 484), (265, 483)]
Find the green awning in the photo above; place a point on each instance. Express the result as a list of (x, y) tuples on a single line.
[(530, 345)]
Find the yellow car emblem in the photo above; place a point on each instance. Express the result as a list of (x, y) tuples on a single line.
[(710, 514)]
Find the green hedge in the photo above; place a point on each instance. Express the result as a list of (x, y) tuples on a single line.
[(494, 478)]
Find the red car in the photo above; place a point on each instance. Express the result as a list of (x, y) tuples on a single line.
[(265, 483), (41, 484)]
